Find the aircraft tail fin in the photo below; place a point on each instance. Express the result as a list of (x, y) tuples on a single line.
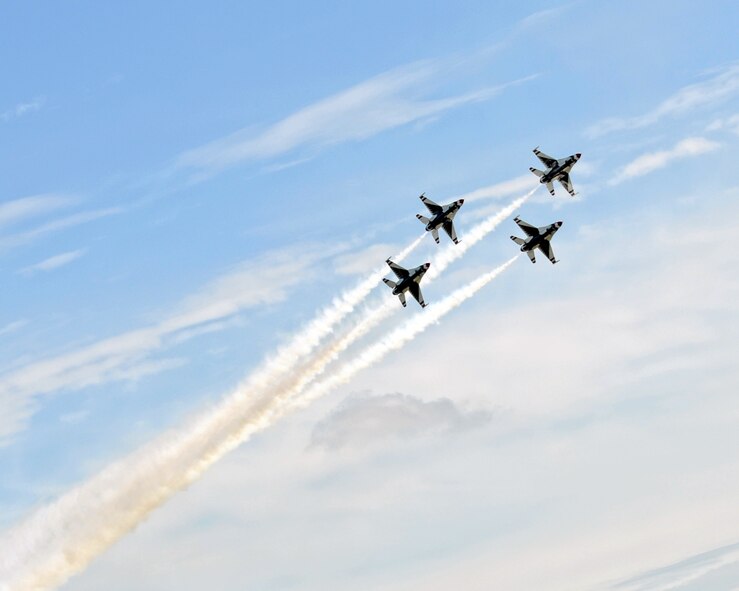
[(423, 219), (389, 283), (537, 172), (517, 240)]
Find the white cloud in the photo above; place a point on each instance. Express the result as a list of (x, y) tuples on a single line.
[(720, 87), (20, 238), (730, 123), (22, 109), (362, 261), (365, 421), (514, 186), (646, 163), (18, 210), (126, 356), (384, 102), (53, 262), (13, 326)]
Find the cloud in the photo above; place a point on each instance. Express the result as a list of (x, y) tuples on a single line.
[(363, 421), (126, 356), (384, 102), (646, 163), (13, 326), (54, 262), (22, 109), (18, 210), (679, 574), (722, 86), (362, 261), (730, 123), (20, 238), (512, 186)]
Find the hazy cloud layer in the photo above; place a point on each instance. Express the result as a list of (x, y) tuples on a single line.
[(366, 420)]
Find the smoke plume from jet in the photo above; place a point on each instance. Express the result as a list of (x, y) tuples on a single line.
[(61, 538)]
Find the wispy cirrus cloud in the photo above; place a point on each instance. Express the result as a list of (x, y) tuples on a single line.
[(24, 237), (53, 262), (646, 163), (387, 101), (22, 109), (128, 356), (721, 86), (19, 210)]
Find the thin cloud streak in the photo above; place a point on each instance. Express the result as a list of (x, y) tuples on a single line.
[(722, 86), (22, 109), (381, 103), (54, 262), (646, 163), (18, 210), (14, 240)]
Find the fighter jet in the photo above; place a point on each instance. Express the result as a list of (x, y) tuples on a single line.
[(408, 280), (537, 238), (441, 216), (557, 170)]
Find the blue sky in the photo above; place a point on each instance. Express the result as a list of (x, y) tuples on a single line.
[(184, 186)]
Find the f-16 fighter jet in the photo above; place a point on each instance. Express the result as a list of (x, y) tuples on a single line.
[(408, 280), (557, 170), (441, 216), (537, 238)]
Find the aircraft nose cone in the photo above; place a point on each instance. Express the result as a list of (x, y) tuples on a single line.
[(559, 224), (461, 201), (578, 155), (427, 265)]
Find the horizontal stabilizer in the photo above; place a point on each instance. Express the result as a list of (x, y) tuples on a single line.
[(531, 255), (517, 240), (401, 295), (538, 173), (423, 219), (389, 283)]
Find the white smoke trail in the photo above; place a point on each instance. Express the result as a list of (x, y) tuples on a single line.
[(60, 539), (393, 341), (375, 315)]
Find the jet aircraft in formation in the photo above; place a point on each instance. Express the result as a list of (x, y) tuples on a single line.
[(557, 170), (442, 216), (408, 280), (537, 238)]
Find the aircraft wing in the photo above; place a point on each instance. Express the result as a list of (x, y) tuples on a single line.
[(564, 178), (449, 229), (399, 271), (415, 290), (526, 227), (545, 158), (546, 248), (433, 207)]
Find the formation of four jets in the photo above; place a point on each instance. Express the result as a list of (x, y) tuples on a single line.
[(442, 216)]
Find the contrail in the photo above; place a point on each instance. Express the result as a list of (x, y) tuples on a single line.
[(393, 341), (375, 315), (60, 539)]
